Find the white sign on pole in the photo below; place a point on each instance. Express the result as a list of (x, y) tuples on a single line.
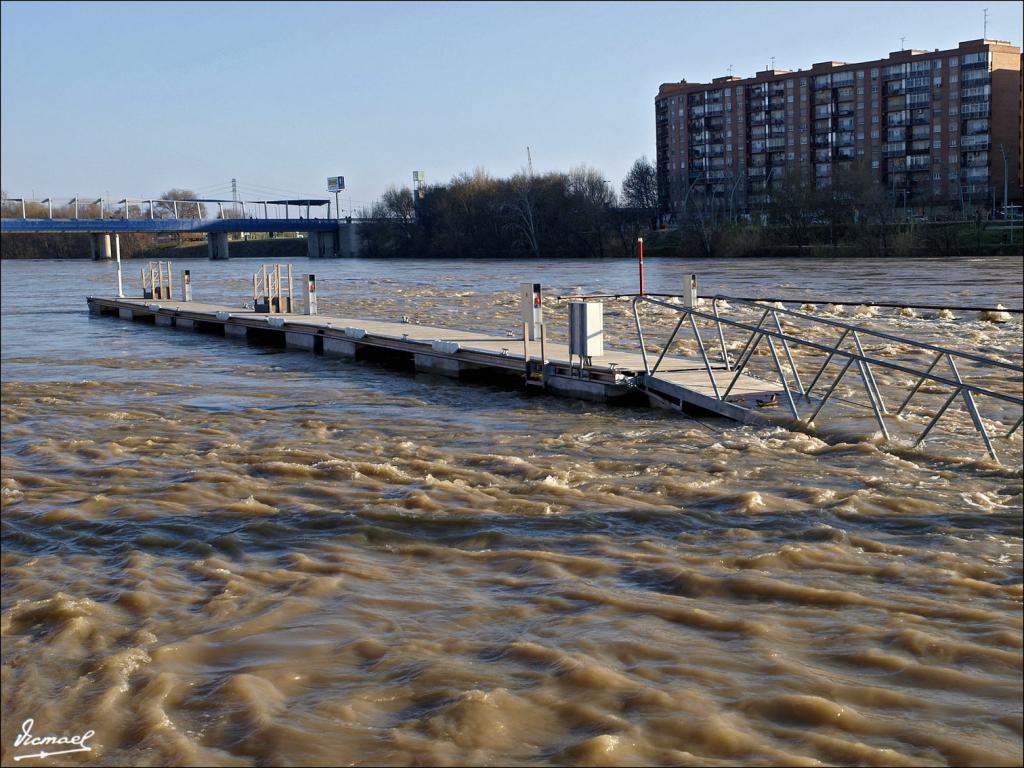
[(335, 183)]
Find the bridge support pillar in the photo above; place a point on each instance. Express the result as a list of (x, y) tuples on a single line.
[(100, 247), (320, 245), (217, 245), (348, 239)]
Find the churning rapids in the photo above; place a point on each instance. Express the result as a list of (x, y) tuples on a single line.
[(221, 554)]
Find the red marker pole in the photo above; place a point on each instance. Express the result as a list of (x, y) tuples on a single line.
[(640, 240)]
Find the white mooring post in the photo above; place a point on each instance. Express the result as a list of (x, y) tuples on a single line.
[(186, 285), (310, 294), (530, 304), (117, 251), (690, 291)]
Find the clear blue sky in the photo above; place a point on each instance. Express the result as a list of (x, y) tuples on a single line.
[(135, 98)]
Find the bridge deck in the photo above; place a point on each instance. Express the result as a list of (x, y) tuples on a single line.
[(680, 381), (155, 226)]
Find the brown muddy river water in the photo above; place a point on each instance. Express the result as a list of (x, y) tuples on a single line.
[(216, 553)]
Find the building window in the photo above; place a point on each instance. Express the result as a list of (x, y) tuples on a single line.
[(937, 144), (954, 158), (789, 84), (874, 73), (860, 120), (953, 109), (937, 82), (953, 79), (874, 89), (860, 106), (739, 90), (803, 95), (874, 118), (874, 133), (937, 128), (789, 99), (860, 135), (803, 139), (953, 127), (952, 175), (953, 62), (952, 142)]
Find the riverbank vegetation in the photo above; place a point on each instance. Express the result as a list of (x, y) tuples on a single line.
[(578, 214)]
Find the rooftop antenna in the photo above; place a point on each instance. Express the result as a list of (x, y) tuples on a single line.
[(529, 161), (773, 62), (902, 46), (985, 33), (730, 70)]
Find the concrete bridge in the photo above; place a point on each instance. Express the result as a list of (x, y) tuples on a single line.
[(325, 237)]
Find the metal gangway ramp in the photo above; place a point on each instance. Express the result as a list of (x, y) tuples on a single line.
[(803, 358)]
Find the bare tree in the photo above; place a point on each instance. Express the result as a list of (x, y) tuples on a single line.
[(520, 207), (166, 208), (640, 187), (794, 205)]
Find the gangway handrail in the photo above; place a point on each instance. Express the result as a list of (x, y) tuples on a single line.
[(860, 357), (844, 353), (879, 334), (790, 300)]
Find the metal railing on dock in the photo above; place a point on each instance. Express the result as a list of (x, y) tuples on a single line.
[(769, 329), (157, 282), (272, 288)]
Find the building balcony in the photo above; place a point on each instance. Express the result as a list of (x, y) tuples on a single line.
[(975, 142), (982, 64), (979, 109)]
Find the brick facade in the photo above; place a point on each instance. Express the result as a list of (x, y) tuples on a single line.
[(931, 125)]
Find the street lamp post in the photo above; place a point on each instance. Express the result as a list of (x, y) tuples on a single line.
[(1006, 177)]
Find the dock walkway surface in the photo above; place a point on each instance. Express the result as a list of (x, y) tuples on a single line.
[(681, 383)]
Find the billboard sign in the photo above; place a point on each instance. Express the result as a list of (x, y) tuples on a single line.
[(335, 183)]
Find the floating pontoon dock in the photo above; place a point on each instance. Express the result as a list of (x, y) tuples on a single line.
[(454, 353), (735, 386)]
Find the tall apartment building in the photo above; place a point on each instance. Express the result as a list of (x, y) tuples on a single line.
[(933, 127)]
